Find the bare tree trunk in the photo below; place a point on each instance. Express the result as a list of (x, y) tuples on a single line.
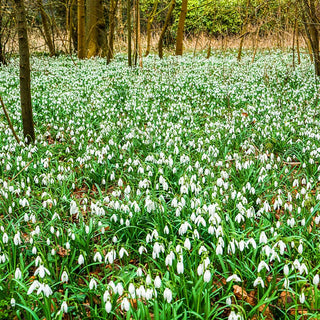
[(139, 49), (25, 93), (297, 44), (92, 36), (129, 32), (164, 28), (243, 31), (293, 43), (2, 56), (182, 19), (149, 24), (310, 23), (81, 30), (46, 28), (112, 16)]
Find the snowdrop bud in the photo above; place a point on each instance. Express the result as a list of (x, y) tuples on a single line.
[(316, 280), (81, 259), (286, 270), (228, 301), (207, 276), (157, 282), (13, 302), (139, 272), (108, 306)]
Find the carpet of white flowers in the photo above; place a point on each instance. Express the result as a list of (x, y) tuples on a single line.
[(188, 189)]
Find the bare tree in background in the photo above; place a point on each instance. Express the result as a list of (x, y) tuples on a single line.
[(81, 30), (46, 28), (2, 56), (165, 27), (25, 93), (129, 32), (182, 19), (311, 21), (112, 21)]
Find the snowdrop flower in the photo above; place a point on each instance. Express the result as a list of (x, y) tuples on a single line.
[(167, 294), (234, 277), (13, 302), (286, 270), (302, 298), (234, 316), (157, 282), (64, 277), (132, 290), (34, 286), (315, 280), (97, 257), (286, 283), (139, 272), (180, 267), (125, 304), (219, 250), (5, 238), (18, 274), (122, 252), (263, 265), (108, 306), (64, 307), (207, 276), (258, 281), (119, 289), (263, 238), (81, 259), (93, 284), (148, 280), (42, 271)]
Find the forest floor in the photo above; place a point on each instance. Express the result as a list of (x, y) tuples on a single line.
[(186, 189)]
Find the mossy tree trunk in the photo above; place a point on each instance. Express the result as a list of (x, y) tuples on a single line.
[(25, 93), (182, 19)]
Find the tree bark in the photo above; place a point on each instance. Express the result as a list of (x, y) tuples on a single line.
[(91, 32), (310, 22), (2, 56), (46, 28), (164, 28), (81, 30), (243, 31), (182, 19), (149, 24), (25, 92), (112, 16), (129, 32), (138, 33)]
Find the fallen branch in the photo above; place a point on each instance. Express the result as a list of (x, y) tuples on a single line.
[(9, 121), (25, 167)]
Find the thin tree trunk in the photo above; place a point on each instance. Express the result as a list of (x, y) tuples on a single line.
[(297, 44), (293, 43), (46, 28), (2, 56), (243, 31), (149, 24), (81, 30), (112, 15), (164, 28), (182, 19), (139, 34), (129, 32), (255, 43), (25, 92)]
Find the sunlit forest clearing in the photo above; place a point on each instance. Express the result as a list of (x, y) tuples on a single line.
[(159, 159)]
